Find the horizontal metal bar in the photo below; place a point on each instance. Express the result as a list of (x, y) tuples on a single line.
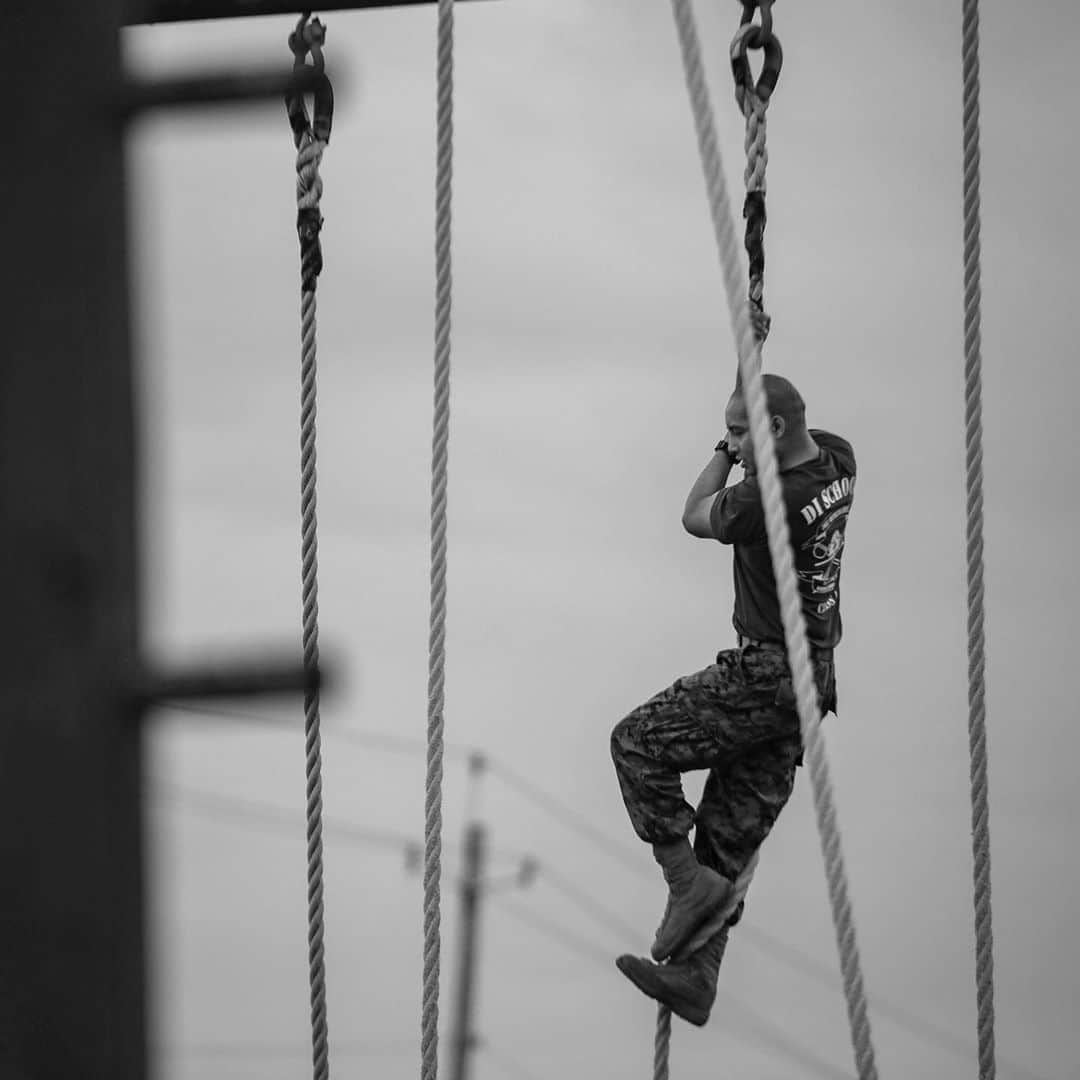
[(213, 88), (230, 679), (163, 11)]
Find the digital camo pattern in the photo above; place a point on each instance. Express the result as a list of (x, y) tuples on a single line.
[(735, 718)]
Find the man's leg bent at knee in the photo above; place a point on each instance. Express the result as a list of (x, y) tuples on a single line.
[(740, 804), (738, 808), (688, 726)]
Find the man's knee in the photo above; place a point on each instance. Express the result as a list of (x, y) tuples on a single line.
[(621, 739)]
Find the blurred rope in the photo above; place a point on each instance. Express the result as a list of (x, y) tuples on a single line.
[(980, 802), (429, 1021), (779, 538), (311, 140)]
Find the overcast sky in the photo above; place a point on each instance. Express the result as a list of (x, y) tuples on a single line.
[(591, 361)]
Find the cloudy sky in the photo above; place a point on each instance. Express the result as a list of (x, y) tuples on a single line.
[(591, 360)]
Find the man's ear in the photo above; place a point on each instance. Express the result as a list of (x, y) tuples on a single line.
[(778, 426)]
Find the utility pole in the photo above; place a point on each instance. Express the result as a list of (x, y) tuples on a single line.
[(472, 884)]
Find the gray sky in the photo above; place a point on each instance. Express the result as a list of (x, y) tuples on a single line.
[(592, 358)]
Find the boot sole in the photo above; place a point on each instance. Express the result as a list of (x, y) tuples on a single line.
[(697, 1017)]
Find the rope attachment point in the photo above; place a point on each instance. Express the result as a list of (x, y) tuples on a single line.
[(310, 142), (752, 36), (310, 135), (753, 101), (764, 6), (309, 38)]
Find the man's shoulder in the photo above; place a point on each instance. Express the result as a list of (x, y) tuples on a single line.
[(836, 445)]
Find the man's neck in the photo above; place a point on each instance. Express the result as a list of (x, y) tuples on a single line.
[(799, 453)]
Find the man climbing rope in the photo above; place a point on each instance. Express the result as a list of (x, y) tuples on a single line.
[(737, 717)]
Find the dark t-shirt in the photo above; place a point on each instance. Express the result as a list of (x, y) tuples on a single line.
[(818, 496)]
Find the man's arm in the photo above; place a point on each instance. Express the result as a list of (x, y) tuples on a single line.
[(699, 502)]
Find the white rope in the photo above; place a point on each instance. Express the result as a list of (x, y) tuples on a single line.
[(309, 189), (429, 1036), (779, 538), (980, 801)]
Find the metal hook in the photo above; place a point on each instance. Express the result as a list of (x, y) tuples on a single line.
[(765, 6), (308, 37)]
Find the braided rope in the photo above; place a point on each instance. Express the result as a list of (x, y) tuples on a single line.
[(429, 1039), (308, 194), (779, 539), (980, 807), (757, 158), (662, 1044)]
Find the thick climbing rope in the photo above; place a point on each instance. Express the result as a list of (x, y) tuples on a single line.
[(311, 140), (662, 1043), (754, 108), (980, 803), (779, 538), (429, 1021)]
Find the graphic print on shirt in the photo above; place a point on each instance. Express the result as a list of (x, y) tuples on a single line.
[(819, 568)]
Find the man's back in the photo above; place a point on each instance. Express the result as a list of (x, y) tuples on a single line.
[(818, 496)]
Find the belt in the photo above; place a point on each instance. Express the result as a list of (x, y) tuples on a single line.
[(780, 646)]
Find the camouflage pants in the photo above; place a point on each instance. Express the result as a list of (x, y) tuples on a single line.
[(735, 718)]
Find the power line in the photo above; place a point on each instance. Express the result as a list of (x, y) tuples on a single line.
[(269, 1051), (394, 744), (561, 812), (775, 1037), (278, 818), (767, 1033), (580, 946), (931, 1034), (783, 952), (603, 915), (510, 1064)]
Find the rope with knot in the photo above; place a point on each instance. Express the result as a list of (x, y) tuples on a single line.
[(311, 139), (749, 354), (429, 1036), (980, 802), (753, 100)]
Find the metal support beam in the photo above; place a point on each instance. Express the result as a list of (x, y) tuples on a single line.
[(214, 88), (72, 995), (163, 11)]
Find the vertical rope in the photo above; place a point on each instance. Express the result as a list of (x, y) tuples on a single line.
[(308, 194), (980, 805), (429, 1038), (662, 1043), (779, 539)]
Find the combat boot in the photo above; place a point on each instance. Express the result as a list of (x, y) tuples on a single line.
[(687, 987), (696, 892)]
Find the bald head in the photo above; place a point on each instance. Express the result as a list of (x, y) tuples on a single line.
[(782, 398), (787, 419)]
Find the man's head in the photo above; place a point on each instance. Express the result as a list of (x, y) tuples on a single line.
[(787, 419)]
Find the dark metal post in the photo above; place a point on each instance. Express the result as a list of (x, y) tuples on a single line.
[(72, 994), (464, 1038)]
